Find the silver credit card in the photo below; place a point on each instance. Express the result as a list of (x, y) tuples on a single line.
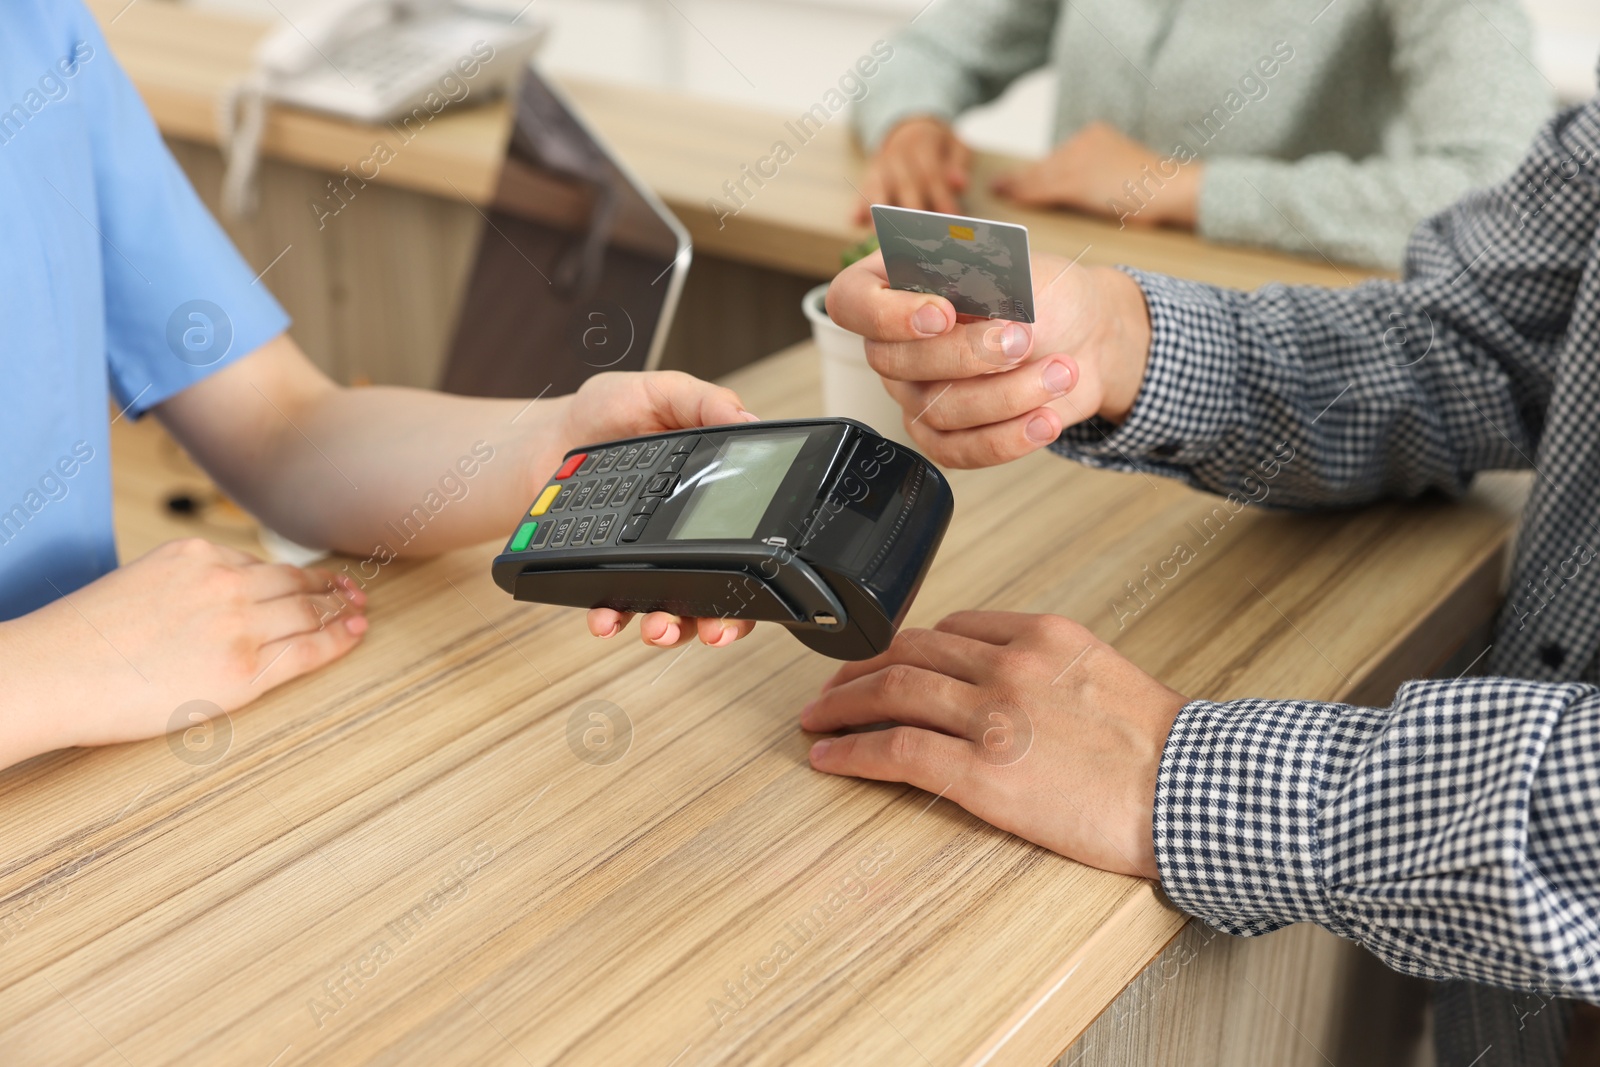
[(980, 266)]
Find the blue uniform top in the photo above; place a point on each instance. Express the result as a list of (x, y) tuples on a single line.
[(117, 290)]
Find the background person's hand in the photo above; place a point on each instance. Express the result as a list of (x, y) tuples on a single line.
[(979, 392), (1027, 721), (187, 621), (1087, 172), (920, 164), (614, 405)]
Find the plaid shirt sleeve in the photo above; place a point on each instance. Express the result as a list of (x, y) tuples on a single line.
[(1453, 834), (1382, 389), (1333, 379), (1456, 833)]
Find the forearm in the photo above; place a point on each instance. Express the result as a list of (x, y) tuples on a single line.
[(35, 715), (1317, 397), (917, 80), (953, 57), (375, 470), (1469, 103), (388, 472), (1329, 205), (412, 471), (1453, 834)]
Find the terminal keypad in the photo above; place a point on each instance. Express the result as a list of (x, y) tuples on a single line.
[(627, 484)]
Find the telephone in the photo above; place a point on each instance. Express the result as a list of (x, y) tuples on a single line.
[(371, 61), (377, 60)]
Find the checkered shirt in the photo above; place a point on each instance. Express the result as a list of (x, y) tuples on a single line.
[(1456, 832)]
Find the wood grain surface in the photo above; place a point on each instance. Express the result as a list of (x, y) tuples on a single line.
[(417, 856)]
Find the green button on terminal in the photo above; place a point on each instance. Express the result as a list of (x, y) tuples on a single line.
[(520, 539)]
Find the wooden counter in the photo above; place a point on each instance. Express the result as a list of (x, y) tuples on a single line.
[(684, 147), (411, 857), (799, 222)]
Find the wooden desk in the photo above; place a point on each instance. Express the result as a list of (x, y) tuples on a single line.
[(374, 290), (403, 858), (799, 222)]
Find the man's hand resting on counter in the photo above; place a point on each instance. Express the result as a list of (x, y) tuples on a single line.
[(979, 392), (1027, 721)]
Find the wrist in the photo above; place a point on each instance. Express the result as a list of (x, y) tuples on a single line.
[(39, 708), (1179, 202), (549, 436), (1124, 343), (1164, 714), (911, 126), (910, 121)]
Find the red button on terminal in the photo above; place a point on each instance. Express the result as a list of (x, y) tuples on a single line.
[(572, 464)]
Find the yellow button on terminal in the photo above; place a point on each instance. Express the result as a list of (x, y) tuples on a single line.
[(546, 498)]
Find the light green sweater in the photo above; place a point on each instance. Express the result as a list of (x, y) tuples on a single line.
[(1326, 130)]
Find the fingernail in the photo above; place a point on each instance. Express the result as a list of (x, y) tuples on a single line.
[(356, 624), (668, 636), (1057, 378), (748, 416), (929, 320), (615, 629), (820, 749), (1039, 431), (1013, 341)]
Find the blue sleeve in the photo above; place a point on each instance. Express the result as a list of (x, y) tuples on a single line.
[(180, 301)]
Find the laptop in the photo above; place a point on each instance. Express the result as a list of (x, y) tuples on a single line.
[(579, 266)]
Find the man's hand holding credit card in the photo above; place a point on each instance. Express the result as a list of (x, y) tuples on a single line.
[(978, 389)]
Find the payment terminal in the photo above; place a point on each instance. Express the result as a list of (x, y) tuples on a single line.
[(818, 525)]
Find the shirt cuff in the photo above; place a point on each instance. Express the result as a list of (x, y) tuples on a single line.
[(1231, 209), (874, 123), (1189, 398), (1237, 812)]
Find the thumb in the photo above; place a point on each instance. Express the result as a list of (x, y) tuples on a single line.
[(681, 401)]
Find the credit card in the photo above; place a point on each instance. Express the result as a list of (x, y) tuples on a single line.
[(980, 266)]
